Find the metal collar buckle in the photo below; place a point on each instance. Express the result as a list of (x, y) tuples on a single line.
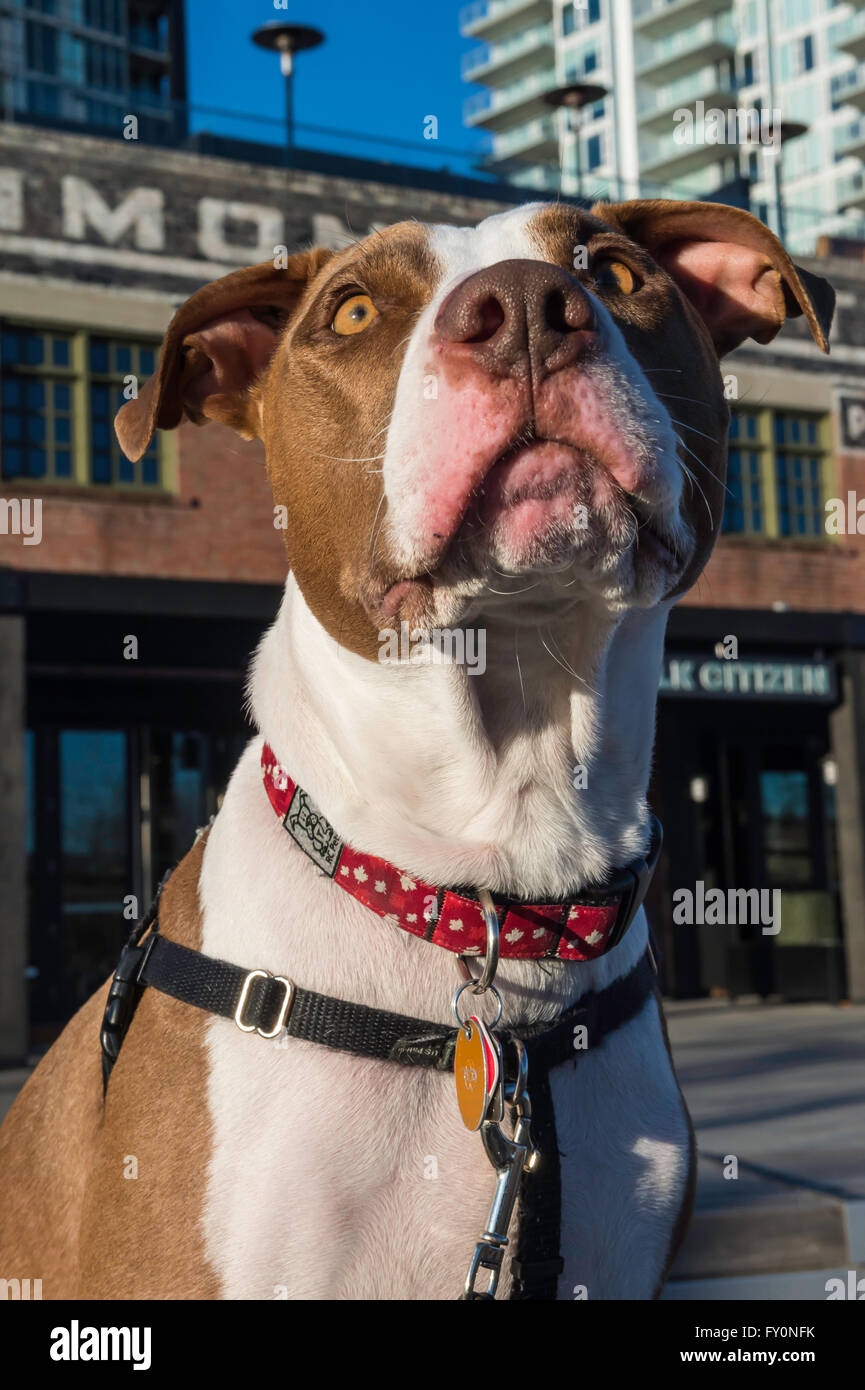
[(284, 1008)]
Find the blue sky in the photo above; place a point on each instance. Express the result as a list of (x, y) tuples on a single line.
[(382, 68)]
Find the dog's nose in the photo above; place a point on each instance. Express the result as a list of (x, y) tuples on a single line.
[(520, 318)]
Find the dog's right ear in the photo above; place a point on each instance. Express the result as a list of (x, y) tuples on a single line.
[(216, 346)]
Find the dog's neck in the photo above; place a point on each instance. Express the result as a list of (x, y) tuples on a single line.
[(529, 778)]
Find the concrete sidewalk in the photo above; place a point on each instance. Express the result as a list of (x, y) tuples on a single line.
[(782, 1089)]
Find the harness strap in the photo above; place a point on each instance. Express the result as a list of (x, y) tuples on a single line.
[(260, 1002)]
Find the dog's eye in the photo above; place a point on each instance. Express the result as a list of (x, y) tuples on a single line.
[(354, 315), (615, 276)]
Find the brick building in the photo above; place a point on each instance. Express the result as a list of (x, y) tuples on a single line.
[(125, 632)]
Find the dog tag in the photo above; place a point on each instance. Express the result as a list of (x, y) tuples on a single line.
[(478, 1072)]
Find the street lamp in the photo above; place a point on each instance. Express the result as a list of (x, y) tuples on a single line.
[(573, 97), (286, 40)]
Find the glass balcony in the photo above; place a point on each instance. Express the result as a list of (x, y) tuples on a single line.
[(537, 139), (518, 101), (494, 19), (664, 157), (848, 88), (656, 105), (850, 191), (850, 139), (501, 62), (854, 42), (655, 18), (686, 50)]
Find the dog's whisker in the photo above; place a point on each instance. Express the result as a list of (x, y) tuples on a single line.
[(711, 438), (372, 538), (507, 592), (519, 667), (696, 483), (692, 400), (335, 458), (565, 667)]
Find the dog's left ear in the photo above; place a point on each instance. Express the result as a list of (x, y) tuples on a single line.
[(734, 270), (216, 347)]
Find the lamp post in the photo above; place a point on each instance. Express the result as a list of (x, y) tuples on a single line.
[(286, 40), (789, 129), (573, 97)]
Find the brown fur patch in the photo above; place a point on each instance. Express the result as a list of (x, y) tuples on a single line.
[(141, 1237), (667, 336), (72, 1217), (47, 1143), (326, 401)]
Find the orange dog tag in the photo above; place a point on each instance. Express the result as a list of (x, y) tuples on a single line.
[(477, 1072)]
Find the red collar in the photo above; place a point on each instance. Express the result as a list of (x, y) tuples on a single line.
[(579, 928)]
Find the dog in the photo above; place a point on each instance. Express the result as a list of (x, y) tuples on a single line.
[(516, 430)]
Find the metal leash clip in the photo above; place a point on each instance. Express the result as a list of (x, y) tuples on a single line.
[(483, 1091)]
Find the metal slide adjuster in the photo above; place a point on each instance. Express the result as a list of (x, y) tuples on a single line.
[(283, 1012)]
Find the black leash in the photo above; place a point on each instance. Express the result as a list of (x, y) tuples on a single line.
[(272, 1005)]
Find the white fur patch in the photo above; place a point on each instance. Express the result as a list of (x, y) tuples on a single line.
[(332, 1177)]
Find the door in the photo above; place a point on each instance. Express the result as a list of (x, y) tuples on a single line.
[(773, 828)]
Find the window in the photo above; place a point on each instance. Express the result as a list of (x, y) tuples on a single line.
[(109, 363), (797, 57), (807, 53), (748, 70), (59, 393), (589, 12), (41, 44), (776, 474), (798, 475), (594, 152), (744, 510)]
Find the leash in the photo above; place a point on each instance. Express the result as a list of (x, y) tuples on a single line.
[(490, 1067)]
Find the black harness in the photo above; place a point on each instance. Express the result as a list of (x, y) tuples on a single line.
[(273, 1005)]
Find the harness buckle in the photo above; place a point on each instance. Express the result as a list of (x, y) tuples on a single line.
[(287, 1002)]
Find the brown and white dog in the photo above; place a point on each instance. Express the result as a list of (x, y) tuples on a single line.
[(439, 405)]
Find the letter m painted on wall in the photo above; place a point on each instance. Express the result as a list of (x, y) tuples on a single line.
[(85, 211)]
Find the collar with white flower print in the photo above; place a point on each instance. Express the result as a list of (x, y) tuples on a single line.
[(578, 928)]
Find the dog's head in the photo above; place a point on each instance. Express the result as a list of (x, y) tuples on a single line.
[(454, 415)]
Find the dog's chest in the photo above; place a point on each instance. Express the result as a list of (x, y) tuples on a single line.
[(333, 1176)]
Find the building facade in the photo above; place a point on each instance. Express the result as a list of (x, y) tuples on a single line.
[(128, 614), (92, 64), (658, 59)]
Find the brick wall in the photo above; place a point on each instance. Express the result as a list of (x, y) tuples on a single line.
[(219, 526)]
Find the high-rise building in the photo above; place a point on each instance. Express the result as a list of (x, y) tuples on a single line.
[(89, 64), (658, 59)]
